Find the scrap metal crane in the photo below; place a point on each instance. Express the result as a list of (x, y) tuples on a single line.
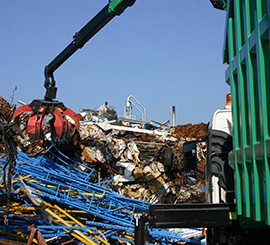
[(64, 121)]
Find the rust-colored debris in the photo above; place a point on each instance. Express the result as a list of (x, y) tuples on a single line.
[(190, 131), (5, 109), (10, 242), (184, 133), (35, 233)]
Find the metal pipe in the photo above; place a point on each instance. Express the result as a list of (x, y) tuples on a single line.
[(173, 116)]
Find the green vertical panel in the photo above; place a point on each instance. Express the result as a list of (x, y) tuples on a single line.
[(252, 74), (246, 104), (249, 108), (261, 73), (248, 187), (263, 76), (255, 92), (257, 190), (263, 59), (235, 107), (231, 27), (266, 56), (242, 21), (237, 138), (247, 162), (239, 37), (266, 97), (236, 112), (234, 80), (247, 51), (258, 178), (252, 13), (266, 116), (264, 7), (242, 98), (243, 112), (239, 186)]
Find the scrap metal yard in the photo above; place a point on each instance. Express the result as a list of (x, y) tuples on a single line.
[(85, 174), (85, 189)]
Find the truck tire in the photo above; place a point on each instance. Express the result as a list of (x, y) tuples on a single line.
[(219, 145)]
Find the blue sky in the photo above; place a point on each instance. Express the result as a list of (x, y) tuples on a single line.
[(164, 53)]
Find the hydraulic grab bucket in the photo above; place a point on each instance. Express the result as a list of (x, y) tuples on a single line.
[(62, 125)]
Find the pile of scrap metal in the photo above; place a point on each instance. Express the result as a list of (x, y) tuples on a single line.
[(145, 161), (53, 202), (110, 169)]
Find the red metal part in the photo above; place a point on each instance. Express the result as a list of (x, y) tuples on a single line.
[(73, 116), (108, 166), (20, 110), (35, 123), (60, 124), (64, 121)]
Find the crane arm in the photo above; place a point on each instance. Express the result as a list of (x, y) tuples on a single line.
[(219, 4), (113, 8)]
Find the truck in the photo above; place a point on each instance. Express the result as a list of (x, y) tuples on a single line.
[(237, 210)]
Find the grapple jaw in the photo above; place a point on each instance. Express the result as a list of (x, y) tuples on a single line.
[(62, 125)]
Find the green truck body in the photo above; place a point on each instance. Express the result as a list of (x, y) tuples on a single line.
[(246, 51)]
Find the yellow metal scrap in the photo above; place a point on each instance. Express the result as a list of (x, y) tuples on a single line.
[(79, 235), (80, 224)]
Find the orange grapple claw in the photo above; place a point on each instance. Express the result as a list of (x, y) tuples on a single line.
[(60, 125)]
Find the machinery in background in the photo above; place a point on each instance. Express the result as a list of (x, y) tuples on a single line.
[(132, 102)]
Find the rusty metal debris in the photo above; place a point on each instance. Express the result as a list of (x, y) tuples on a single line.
[(35, 233), (141, 158), (5, 109), (143, 162)]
